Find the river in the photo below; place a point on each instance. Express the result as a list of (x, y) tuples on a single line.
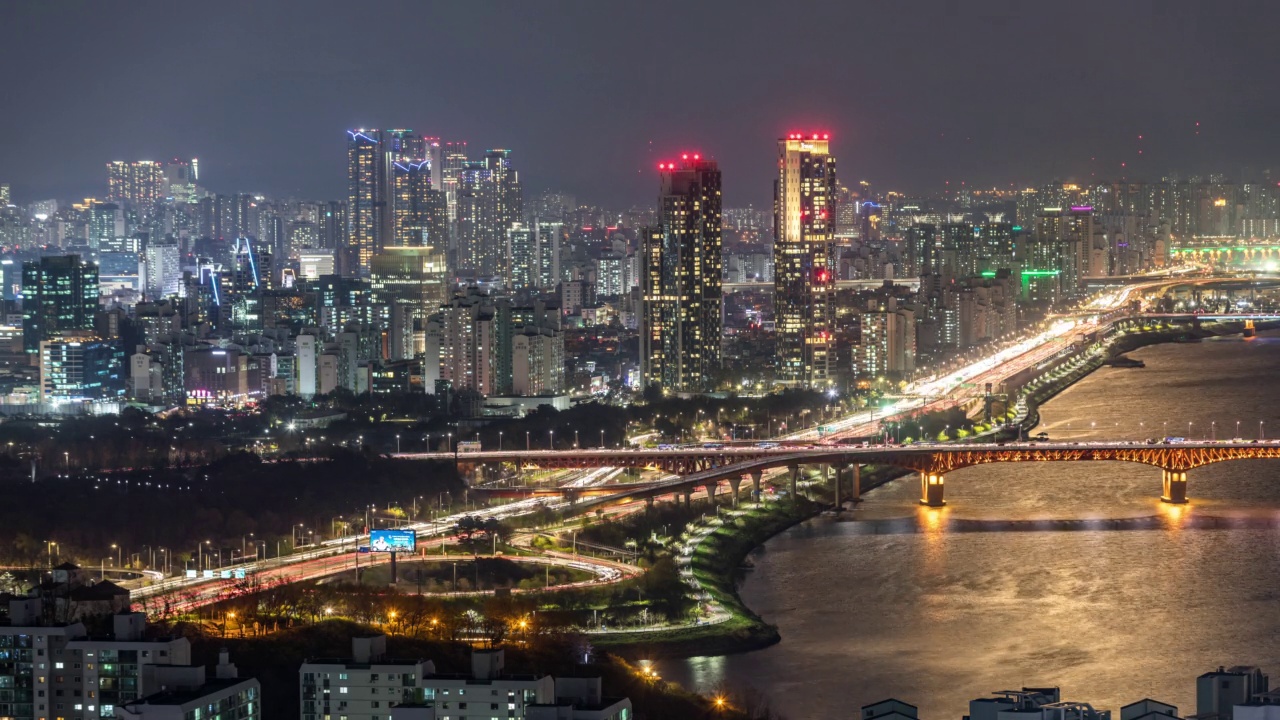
[(1061, 574)]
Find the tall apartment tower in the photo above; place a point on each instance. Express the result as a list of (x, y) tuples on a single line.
[(366, 198), (681, 283), (489, 201), (140, 183), (419, 215), (804, 284)]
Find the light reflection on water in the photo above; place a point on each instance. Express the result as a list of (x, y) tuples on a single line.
[(1069, 574)]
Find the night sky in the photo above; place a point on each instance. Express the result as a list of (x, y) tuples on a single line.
[(590, 95)]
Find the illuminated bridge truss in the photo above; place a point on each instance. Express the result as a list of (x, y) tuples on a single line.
[(1179, 457), (1166, 457)]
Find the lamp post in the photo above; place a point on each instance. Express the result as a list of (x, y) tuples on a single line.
[(1260, 429), (499, 441), (602, 438), (526, 441), (397, 443), (551, 434)]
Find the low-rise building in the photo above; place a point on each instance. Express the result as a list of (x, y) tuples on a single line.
[(487, 692), (581, 699), (188, 694), (363, 687)]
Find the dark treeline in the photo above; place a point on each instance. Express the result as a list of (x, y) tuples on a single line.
[(222, 502)]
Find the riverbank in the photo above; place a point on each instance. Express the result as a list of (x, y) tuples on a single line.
[(716, 565), (1106, 353), (718, 558)]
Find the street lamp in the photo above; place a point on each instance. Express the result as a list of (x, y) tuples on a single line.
[(397, 443), (118, 553), (552, 435), (526, 441), (602, 438), (1260, 429), (1237, 429), (1189, 424), (575, 439), (499, 441)]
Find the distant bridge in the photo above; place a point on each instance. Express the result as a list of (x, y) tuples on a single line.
[(707, 467)]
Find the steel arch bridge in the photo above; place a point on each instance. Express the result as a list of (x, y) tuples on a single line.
[(706, 467)]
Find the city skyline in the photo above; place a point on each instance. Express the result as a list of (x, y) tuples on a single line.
[(985, 96)]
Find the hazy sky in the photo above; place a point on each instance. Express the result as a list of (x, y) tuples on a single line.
[(590, 95)]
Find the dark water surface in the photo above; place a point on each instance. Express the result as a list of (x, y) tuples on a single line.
[(1068, 574)]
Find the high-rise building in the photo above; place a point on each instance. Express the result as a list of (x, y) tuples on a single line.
[(413, 276), (803, 281), (681, 326), (163, 270), (106, 223), (180, 178), (489, 201), (522, 256), (366, 198), (140, 183), (5, 198), (59, 294), (419, 213), (78, 366), (887, 346)]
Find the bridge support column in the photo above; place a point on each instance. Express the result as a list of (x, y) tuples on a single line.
[(735, 482), (795, 475), (837, 490), (648, 503), (1174, 484), (756, 475), (931, 489), (711, 492), (688, 497), (855, 494)]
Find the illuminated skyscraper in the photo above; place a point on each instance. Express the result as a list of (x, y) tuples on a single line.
[(419, 214), (803, 281), (59, 295), (140, 183), (681, 283), (366, 198), (489, 202)]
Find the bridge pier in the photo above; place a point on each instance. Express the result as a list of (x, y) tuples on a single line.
[(735, 482), (1174, 484), (931, 489), (837, 487), (688, 497), (648, 503), (756, 475), (711, 492), (795, 475), (855, 494)]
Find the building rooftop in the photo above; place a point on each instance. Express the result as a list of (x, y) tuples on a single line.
[(353, 665), (182, 697)]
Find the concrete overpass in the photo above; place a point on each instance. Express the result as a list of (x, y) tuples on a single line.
[(707, 467)]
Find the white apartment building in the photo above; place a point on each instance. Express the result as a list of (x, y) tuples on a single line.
[(187, 694), (57, 672), (364, 687), (486, 693)]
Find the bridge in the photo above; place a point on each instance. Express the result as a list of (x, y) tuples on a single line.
[(708, 467)]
